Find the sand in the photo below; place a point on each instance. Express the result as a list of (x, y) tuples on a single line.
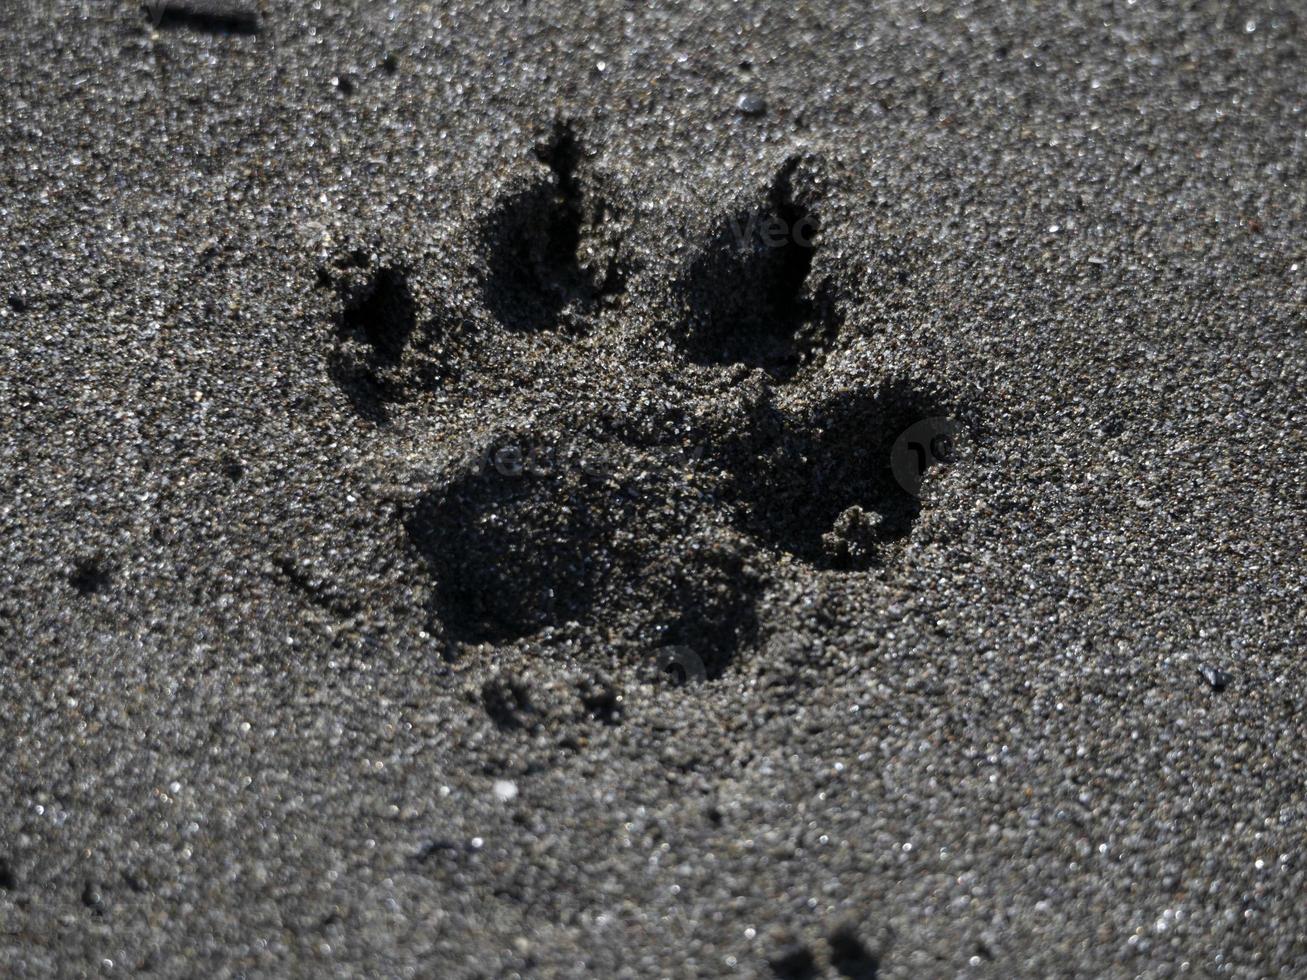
[(454, 520)]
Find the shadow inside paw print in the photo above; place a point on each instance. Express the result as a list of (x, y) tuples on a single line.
[(382, 314), (821, 485), (376, 321), (512, 552), (748, 295), (553, 247), (384, 352), (599, 534)]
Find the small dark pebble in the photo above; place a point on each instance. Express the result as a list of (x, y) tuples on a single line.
[(345, 84), (751, 105), (1217, 678), (431, 848), (793, 962), (442, 846), (507, 702), (89, 576), (134, 882), (851, 957), (17, 303), (8, 880), (92, 898)]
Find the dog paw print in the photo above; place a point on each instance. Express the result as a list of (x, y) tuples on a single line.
[(641, 535)]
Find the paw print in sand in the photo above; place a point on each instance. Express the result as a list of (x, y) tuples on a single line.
[(641, 534)]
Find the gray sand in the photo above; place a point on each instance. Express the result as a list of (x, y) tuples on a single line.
[(395, 394)]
